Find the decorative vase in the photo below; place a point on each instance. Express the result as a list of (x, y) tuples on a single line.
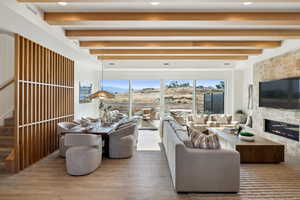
[(241, 118), (247, 138)]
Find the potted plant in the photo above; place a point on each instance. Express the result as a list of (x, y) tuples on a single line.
[(247, 136)]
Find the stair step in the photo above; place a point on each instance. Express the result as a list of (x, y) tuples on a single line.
[(6, 130), (4, 152), (10, 162), (9, 121), (6, 141)]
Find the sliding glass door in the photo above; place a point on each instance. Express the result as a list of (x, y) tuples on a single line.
[(146, 97), (185, 96), (210, 96), (179, 96)]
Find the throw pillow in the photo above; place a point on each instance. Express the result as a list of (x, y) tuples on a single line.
[(199, 140), (203, 141), (199, 119), (199, 129), (213, 141), (212, 118), (189, 118), (222, 119)]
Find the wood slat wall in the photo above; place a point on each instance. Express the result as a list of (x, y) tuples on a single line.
[(44, 97)]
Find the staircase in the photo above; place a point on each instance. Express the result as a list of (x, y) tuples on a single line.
[(7, 153)]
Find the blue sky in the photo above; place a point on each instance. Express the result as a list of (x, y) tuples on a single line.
[(139, 84), (207, 83), (85, 84), (145, 84), (116, 83)]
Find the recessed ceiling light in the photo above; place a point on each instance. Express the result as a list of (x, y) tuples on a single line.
[(154, 3), (166, 64), (62, 3), (247, 3), (112, 64)]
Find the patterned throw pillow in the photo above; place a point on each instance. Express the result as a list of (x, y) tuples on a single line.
[(200, 119), (199, 140), (203, 141), (222, 119), (213, 141)]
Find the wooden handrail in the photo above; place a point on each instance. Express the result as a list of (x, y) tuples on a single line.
[(5, 85)]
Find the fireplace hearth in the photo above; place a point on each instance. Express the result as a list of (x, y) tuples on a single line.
[(290, 131)]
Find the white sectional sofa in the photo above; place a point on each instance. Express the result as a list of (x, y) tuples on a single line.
[(199, 170)]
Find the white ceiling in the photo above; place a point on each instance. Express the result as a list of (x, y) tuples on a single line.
[(173, 64), (174, 6), (170, 6)]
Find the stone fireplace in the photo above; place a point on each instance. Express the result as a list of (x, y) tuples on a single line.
[(286, 130), (283, 66)]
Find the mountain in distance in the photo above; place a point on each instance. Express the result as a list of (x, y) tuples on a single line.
[(116, 90)]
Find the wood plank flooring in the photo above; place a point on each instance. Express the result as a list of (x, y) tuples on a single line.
[(143, 177)]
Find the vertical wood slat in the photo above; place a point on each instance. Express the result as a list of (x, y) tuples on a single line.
[(43, 92)]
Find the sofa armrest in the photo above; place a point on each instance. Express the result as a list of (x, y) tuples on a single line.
[(235, 123)]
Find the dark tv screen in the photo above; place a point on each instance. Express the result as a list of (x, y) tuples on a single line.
[(282, 93)]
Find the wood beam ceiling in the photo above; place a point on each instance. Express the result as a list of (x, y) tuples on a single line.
[(181, 33), (57, 18), (215, 42), (253, 44), (176, 51), (172, 57)]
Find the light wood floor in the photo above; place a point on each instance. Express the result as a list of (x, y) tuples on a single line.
[(143, 177)]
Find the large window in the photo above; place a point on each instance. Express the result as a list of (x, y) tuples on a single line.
[(179, 96), (210, 96), (121, 90), (146, 98)]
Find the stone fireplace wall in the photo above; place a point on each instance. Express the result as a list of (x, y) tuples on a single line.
[(279, 67)]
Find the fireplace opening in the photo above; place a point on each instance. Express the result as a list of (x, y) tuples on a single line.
[(290, 131)]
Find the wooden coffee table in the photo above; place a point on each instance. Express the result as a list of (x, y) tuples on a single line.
[(260, 151)]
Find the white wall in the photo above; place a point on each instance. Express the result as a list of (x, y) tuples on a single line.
[(85, 73), (6, 73)]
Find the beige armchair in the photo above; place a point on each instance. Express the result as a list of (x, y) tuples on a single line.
[(62, 127), (84, 154), (122, 142)]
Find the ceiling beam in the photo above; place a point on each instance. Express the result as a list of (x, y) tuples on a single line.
[(172, 57), (286, 33), (153, 44), (65, 18), (176, 51)]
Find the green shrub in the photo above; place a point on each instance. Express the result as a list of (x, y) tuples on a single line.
[(247, 134)]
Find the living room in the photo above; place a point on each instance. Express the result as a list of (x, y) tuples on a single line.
[(149, 100)]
